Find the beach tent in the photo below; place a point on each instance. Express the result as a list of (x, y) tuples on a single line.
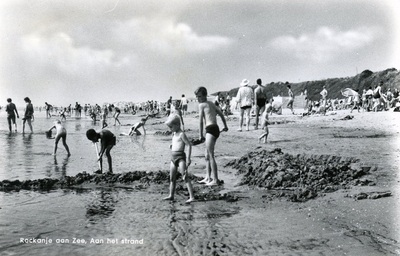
[(348, 92)]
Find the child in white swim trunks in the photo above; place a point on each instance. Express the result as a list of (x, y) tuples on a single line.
[(61, 134)]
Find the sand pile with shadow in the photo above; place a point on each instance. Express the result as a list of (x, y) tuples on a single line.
[(301, 177)]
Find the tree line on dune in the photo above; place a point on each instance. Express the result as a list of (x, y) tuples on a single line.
[(364, 80)]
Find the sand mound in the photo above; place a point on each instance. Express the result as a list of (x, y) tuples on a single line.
[(303, 177), (86, 178)]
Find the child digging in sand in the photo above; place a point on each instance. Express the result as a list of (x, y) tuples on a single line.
[(107, 142), (208, 115), (178, 160), (135, 128), (264, 126), (61, 134)]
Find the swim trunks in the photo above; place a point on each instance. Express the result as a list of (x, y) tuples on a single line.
[(113, 140), (245, 107), (261, 102), (11, 117), (177, 156), (213, 130)]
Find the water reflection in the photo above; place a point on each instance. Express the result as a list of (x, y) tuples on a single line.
[(56, 169), (102, 206), (9, 150), (28, 156), (78, 127), (139, 140)]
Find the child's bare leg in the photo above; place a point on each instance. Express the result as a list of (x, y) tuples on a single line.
[(210, 144), (30, 124), (266, 136), (64, 140), (56, 140), (172, 182), (241, 119), (109, 159), (182, 169), (9, 124), (190, 189), (248, 118), (207, 179)]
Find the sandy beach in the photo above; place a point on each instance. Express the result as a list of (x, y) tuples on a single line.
[(229, 219)]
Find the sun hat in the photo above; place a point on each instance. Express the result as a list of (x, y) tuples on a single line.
[(244, 82)]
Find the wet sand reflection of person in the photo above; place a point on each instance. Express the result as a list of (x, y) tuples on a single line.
[(102, 206), (56, 169), (27, 153), (139, 140), (9, 147)]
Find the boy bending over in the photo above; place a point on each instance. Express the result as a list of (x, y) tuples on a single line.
[(178, 160), (61, 134), (107, 140), (208, 115)]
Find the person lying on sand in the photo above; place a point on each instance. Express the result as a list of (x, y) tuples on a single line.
[(61, 134), (178, 160), (135, 127)]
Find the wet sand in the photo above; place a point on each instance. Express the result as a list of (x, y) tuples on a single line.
[(253, 223)]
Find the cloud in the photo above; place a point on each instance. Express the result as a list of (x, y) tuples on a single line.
[(325, 43), (167, 37), (59, 51)]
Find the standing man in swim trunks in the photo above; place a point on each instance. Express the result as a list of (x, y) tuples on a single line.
[(260, 96), (208, 115), (11, 110)]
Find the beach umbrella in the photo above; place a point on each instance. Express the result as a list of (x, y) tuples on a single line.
[(348, 92)]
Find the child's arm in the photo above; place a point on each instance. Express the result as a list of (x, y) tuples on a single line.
[(53, 127), (131, 130), (219, 112), (16, 111), (187, 143), (201, 117), (144, 130)]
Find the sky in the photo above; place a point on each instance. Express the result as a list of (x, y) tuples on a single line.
[(98, 51)]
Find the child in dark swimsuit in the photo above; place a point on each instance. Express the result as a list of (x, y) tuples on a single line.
[(208, 115), (178, 159), (107, 141)]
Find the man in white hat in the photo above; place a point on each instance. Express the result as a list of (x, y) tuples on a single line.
[(245, 98)]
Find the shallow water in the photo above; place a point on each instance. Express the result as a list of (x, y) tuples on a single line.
[(29, 155)]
